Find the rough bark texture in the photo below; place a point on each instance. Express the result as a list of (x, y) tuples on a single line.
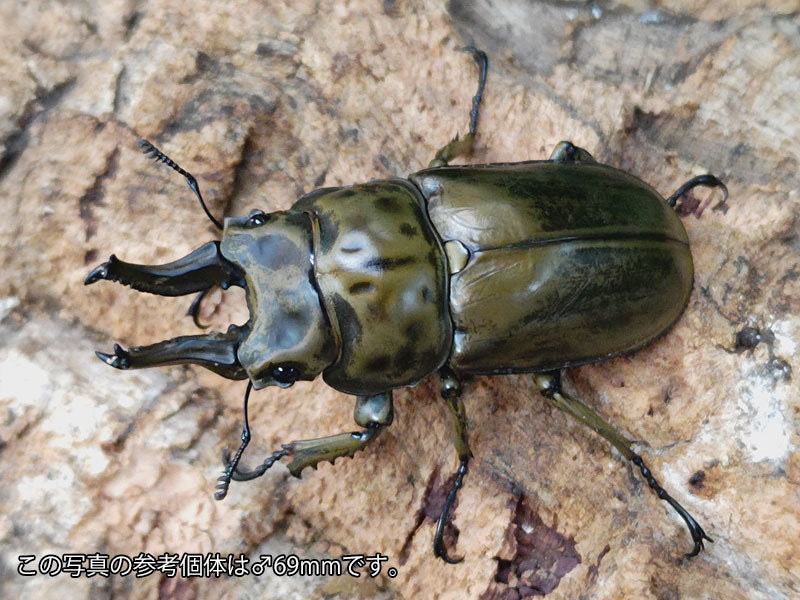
[(263, 101)]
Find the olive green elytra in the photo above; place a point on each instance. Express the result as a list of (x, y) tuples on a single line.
[(471, 269)]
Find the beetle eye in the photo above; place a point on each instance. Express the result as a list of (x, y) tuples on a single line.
[(285, 375), (257, 217)]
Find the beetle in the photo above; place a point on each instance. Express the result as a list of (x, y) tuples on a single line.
[(376, 286)]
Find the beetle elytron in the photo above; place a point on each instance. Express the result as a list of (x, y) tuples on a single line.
[(376, 286)]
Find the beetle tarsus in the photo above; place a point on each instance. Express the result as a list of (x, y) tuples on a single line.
[(231, 465), (238, 474), (707, 180), (439, 548), (697, 533), (157, 155)]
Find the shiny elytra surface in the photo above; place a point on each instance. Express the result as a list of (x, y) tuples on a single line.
[(570, 262)]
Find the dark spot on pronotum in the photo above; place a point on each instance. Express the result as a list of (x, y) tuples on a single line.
[(349, 326), (349, 193), (406, 359), (408, 230), (329, 233), (362, 287), (384, 264), (434, 258), (379, 364), (414, 331), (388, 203), (696, 480)]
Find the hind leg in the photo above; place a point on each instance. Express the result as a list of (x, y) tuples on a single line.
[(706, 180), (550, 386)]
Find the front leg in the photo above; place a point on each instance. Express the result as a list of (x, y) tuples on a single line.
[(371, 412)]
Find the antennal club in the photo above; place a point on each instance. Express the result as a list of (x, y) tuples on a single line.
[(158, 155)]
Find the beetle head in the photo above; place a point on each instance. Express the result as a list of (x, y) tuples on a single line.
[(288, 335)]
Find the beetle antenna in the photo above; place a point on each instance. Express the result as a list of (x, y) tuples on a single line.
[(708, 180), (158, 155)]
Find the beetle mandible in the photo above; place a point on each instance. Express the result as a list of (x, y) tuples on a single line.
[(378, 285)]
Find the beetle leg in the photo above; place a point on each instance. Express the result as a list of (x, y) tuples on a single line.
[(194, 309), (707, 180), (462, 146), (567, 152), (195, 272), (451, 393), (371, 412), (214, 351), (550, 387), (225, 480)]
